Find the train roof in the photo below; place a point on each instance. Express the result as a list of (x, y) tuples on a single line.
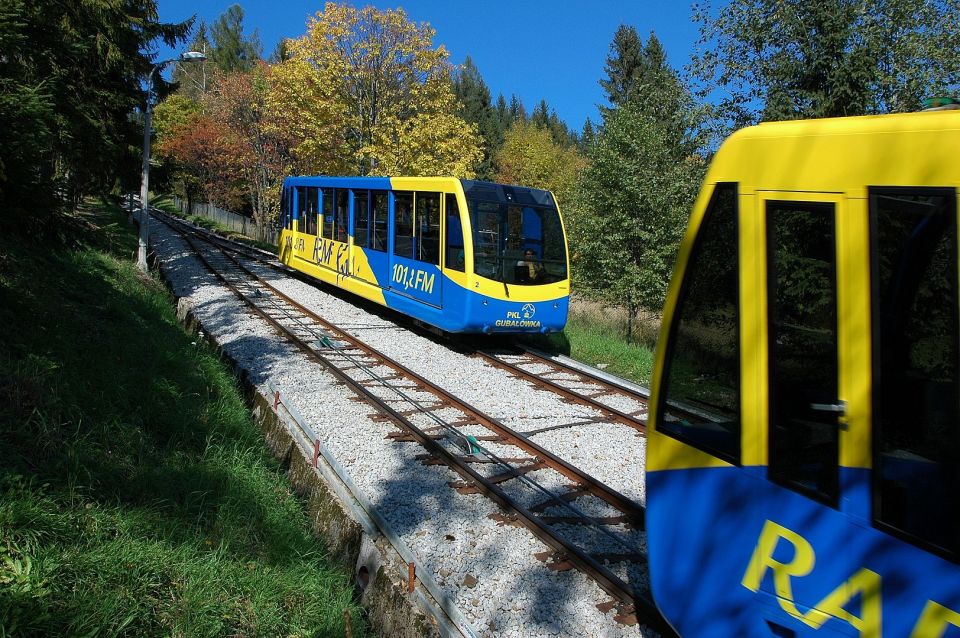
[(844, 154), (473, 189)]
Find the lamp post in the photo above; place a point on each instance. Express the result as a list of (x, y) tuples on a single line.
[(189, 56)]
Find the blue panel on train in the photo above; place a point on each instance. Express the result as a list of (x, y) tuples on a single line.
[(380, 265), (771, 547), (416, 279), (517, 316)]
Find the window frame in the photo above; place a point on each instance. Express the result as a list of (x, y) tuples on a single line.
[(403, 195), (662, 398), (422, 212), (384, 215), (951, 200), (364, 195), (830, 499), (327, 209), (450, 202)]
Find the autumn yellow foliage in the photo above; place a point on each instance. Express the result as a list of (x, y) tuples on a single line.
[(530, 157), (365, 92)]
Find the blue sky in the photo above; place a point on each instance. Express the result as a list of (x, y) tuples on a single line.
[(553, 50)]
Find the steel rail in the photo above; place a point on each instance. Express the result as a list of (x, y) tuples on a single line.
[(616, 415), (628, 506), (608, 581), (677, 410)]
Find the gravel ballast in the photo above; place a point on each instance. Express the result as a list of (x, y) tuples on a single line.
[(488, 569)]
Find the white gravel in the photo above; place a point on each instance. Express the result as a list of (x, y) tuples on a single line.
[(515, 594)]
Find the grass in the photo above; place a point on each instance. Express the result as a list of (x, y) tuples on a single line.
[(136, 495), (597, 335)]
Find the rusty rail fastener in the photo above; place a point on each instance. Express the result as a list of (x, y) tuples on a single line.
[(411, 577)]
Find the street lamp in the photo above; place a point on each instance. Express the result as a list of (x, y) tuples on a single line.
[(189, 56)]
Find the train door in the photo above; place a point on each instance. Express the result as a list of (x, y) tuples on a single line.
[(360, 266), (370, 260), (817, 345), (415, 266)]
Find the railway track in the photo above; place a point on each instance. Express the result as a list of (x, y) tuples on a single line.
[(575, 384), (614, 398), (490, 457)]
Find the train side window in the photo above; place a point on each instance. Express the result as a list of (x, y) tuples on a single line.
[(403, 224), (301, 208), (288, 219), (428, 228), (328, 194), (485, 218), (454, 249), (310, 221), (361, 218), (804, 445), (379, 212), (916, 352), (341, 219), (700, 397)]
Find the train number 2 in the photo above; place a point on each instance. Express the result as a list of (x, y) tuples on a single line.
[(933, 621)]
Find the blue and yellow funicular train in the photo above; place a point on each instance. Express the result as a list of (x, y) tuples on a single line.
[(459, 255), (813, 325)]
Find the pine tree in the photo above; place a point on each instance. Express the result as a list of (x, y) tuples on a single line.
[(644, 171), (540, 118), (503, 112), (623, 61), (69, 82), (232, 51), (476, 107), (587, 137), (518, 113)]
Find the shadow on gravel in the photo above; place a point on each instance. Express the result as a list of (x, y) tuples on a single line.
[(452, 530)]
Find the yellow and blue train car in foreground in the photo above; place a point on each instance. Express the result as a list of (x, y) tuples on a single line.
[(812, 326), (460, 255)]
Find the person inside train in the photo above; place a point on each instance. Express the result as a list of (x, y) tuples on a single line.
[(529, 269)]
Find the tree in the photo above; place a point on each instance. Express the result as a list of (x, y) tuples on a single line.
[(193, 80), (367, 93), (530, 157), (69, 81), (204, 156), (587, 137), (503, 112), (231, 146), (621, 66), (281, 53), (476, 108), (631, 207), (175, 111), (645, 168), (540, 117), (262, 159), (786, 60), (232, 51), (517, 111)]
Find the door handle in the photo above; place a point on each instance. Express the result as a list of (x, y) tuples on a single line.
[(835, 408)]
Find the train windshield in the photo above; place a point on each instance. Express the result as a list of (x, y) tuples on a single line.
[(517, 234)]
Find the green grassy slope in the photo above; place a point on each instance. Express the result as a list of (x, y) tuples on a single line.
[(136, 495)]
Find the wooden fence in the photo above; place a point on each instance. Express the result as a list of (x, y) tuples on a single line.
[(238, 223)]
